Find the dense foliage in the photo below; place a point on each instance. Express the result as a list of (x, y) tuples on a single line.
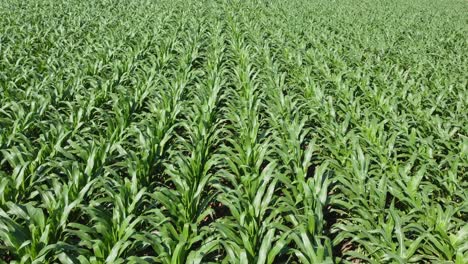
[(167, 131)]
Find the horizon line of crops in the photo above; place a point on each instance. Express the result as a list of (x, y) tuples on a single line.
[(233, 131)]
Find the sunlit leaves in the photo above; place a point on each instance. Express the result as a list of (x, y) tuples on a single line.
[(233, 131)]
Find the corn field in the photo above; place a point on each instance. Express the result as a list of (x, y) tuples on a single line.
[(260, 131)]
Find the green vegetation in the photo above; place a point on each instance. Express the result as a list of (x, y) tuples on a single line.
[(170, 131)]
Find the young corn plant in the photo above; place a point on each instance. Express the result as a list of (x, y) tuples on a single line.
[(110, 236)]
